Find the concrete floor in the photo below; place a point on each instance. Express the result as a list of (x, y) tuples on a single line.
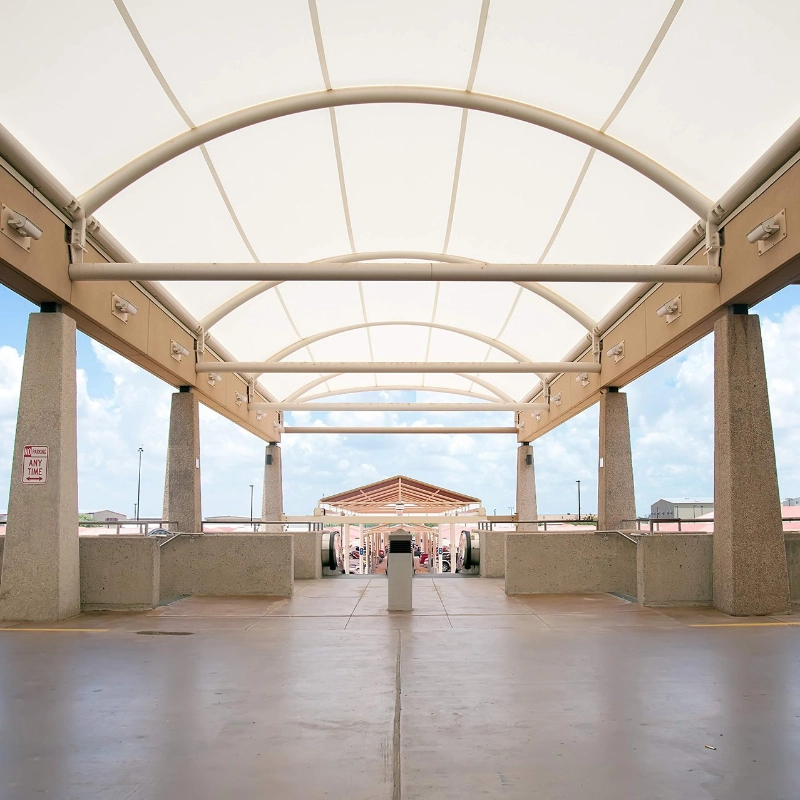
[(474, 694)]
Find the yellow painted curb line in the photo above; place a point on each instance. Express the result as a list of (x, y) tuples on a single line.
[(742, 624), (56, 630)]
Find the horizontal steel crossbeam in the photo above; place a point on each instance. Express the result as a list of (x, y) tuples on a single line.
[(385, 429), (396, 271), (369, 367), (399, 406)]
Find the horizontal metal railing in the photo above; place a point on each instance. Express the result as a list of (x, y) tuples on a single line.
[(542, 523), (654, 523), (255, 523), (143, 525)]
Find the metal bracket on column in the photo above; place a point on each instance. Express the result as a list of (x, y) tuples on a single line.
[(200, 342), (77, 237), (177, 350), (713, 249), (597, 344), (546, 391), (617, 352)]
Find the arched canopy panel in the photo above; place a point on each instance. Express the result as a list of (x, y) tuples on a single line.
[(511, 131)]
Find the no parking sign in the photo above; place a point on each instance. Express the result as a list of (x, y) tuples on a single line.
[(34, 463)]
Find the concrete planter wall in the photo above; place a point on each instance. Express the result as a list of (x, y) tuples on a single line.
[(560, 563), (675, 570), (228, 564), (493, 554), (119, 572)]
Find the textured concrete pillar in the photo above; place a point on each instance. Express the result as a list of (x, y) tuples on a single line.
[(272, 497), (182, 486), (750, 574), (615, 497), (526, 488), (41, 577)]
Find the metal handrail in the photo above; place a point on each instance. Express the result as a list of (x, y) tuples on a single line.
[(489, 524), (310, 526), (168, 539), (139, 523), (656, 521), (635, 538)]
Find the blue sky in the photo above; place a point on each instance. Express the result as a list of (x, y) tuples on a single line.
[(121, 407)]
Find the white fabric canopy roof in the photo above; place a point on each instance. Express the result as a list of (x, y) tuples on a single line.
[(696, 85)]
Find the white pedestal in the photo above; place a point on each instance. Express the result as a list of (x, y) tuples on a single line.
[(400, 569)]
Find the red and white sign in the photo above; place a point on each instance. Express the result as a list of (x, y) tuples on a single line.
[(34, 463)]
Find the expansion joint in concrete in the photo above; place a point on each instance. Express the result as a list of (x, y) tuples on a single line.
[(396, 742)]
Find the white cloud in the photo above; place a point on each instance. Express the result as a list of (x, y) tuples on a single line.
[(10, 380), (671, 411)]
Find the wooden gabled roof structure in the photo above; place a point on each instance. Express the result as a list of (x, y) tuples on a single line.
[(383, 497)]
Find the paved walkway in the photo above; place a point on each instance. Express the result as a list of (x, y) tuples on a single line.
[(472, 695)]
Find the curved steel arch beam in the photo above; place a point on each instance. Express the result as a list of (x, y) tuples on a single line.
[(408, 387), (256, 289), (480, 381), (365, 95), (560, 302), (348, 258), (299, 345)]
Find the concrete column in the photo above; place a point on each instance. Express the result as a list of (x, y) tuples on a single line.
[(346, 547), (526, 488), (182, 485), (272, 498), (615, 496), (41, 576), (750, 574)]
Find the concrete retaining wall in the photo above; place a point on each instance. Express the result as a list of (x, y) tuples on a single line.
[(793, 562), (493, 554), (228, 564), (307, 555), (675, 570), (119, 572), (569, 562)]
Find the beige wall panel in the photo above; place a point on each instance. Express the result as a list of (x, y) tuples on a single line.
[(94, 300), (46, 263), (574, 399), (162, 331), (698, 301), (633, 332), (236, 385), (222, 398), (563, 385), (217, 394), (267, 426), (742, 267)]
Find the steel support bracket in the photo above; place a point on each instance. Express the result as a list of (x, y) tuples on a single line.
[(713, 248), (77, 238)]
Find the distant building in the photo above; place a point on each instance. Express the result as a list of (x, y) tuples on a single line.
[(789, 501), (107, 516), (683, 508), (3, 517)]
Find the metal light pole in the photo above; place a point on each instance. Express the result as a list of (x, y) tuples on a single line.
[(139, 486), (579, 500), (251, 505)]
